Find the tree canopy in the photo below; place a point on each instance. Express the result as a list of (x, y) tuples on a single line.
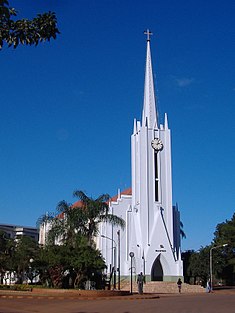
[(70, 253), (69, 266), (196, 263), (53, 265), (24, 31)]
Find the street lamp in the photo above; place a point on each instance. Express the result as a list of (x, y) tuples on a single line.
[(114, 255), (30, 270), (119, 260), (131, 254), (143, 260), (211, 272)]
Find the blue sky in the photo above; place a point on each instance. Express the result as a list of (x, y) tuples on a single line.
[(67, 107)]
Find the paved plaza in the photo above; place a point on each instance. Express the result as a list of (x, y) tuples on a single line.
[(217, 302)]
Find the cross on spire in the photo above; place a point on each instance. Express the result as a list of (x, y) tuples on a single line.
[(148, 33)]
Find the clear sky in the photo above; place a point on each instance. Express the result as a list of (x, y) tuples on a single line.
[(67, 107)]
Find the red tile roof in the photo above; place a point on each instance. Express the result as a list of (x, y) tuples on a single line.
[(126, 192), (78, 204)]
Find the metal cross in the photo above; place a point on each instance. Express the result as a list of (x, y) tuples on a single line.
[(148, 33)]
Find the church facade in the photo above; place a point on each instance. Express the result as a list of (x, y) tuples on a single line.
[(150, 242)]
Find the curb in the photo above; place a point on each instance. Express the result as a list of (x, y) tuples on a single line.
[(68, 297)]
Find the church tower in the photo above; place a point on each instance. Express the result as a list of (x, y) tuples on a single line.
[(152, 230), (158, 224)]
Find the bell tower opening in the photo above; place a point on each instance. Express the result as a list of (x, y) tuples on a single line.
[(157, 271)]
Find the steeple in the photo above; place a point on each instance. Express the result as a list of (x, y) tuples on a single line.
[(149, 108)]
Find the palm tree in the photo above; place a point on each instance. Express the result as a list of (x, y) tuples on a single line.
[(45, 218), (96, 211), (69, 223), (182, 233), (80, 219)]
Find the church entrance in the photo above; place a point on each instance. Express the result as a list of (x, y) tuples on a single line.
[(157, 271)]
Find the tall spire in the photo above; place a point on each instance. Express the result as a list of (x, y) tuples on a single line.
[(149, 109)]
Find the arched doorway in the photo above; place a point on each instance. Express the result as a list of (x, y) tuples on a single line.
[(157, 271)]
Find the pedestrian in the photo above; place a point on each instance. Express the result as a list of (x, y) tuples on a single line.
[(140, 283), (179, 284), (208, 286)]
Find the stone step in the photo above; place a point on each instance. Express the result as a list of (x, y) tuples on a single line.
[(163, 287)]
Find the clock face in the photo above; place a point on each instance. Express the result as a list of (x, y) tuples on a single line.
[(157, 144)]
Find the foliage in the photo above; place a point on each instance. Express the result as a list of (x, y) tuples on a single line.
[(70, 262), (24, 254), (81, 218), (186, 257), (197, 263), (70, 257), (45, 218), (18, 256), (6, 250), (225, 232), (225, 261), (182, 233), (48, 266), (69, 266), (56, 265), (16, 287), (24, 31), (96, 211), (85, 261)]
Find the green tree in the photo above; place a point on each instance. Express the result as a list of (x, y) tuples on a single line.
[(25, 252), (196, 265), (225, 233), (69, 266), (24, 31), (224, 259), (187, 270), (73, 227), (69, 221), (83, 262), (49, 265), (199, 265), (6, 249)]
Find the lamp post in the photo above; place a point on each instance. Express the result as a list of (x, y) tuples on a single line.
[(131, 254), (115, 258), (30, 270), (143, 260), (211, 263), (119, 260)]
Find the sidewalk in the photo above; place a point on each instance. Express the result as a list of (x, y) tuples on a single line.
[(62, 294)]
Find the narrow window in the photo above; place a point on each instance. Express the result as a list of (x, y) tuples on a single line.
[(156, 177)]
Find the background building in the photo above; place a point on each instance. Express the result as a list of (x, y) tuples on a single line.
[(16, 231)]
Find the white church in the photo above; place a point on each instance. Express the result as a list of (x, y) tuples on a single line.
[(150, 242)]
